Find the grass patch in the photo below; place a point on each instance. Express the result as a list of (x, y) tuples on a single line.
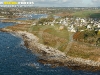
[(22, 27), (85, 13), (84, 51), (51, 35), (54, 30)]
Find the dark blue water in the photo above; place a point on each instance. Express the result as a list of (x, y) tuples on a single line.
[(15, 59), (2, 25), (33, 16)]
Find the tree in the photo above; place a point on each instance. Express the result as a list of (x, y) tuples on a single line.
[(42, 20), (50, 18)]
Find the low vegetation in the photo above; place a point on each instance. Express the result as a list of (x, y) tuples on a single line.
[(51, 35), (84, 51), (87, 14), (88, 36), (48, 35)]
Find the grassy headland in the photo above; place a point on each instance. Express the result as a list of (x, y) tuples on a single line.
[(59, 39), (48, 35)]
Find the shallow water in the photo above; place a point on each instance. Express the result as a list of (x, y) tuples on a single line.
[(33, 16), (2, 25)]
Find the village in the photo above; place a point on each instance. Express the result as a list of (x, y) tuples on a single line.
[(75, 24)]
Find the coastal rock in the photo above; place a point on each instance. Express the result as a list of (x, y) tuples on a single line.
[(50, 55)]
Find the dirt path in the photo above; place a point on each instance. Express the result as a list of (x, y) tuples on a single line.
[(70, 43)]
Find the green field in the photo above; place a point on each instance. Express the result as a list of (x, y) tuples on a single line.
[(52, 36), (87, 14)]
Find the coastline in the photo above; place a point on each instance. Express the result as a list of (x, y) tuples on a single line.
[(53, 56)]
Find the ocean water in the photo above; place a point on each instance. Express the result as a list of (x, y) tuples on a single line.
[(2, 25), (16, 59), (33, 16)]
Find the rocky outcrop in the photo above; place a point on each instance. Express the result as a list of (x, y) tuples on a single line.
[(32, 42)]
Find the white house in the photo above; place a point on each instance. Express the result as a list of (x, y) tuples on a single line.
[(89, 27), (99, 25)]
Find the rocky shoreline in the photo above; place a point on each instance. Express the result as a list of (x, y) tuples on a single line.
[(49, 55)]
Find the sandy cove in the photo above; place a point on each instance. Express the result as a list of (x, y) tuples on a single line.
[(49, 55)]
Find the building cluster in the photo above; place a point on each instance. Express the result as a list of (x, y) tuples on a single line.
[(76, 24)]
